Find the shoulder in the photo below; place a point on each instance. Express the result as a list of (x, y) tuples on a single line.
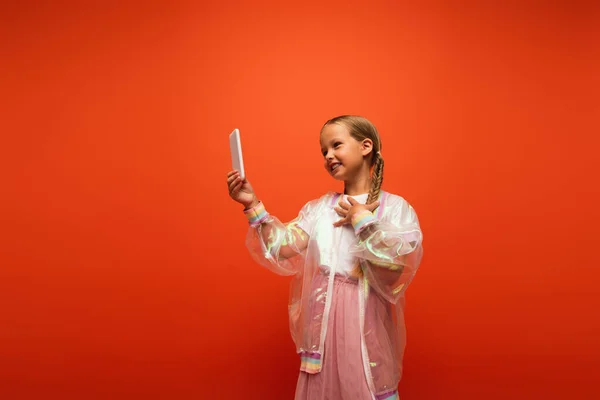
[(318, 204), (398, 207), (395, 200), (312, 210), (327, 199)]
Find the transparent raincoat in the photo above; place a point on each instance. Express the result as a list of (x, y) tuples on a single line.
[(386, 250)]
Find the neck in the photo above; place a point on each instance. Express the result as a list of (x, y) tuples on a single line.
[(360, 185)]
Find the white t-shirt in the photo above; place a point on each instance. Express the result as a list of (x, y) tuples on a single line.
[(347, 263)]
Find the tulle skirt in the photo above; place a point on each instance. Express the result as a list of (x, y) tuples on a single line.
[(342, 376)]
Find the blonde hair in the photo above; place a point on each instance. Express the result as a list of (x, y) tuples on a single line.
[(361, 128)]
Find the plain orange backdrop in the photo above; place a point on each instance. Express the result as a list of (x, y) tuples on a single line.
[(123, 269)]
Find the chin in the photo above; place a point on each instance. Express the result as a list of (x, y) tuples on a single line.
[(338, 177)]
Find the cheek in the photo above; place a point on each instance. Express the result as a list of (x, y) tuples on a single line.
[(347, 155)]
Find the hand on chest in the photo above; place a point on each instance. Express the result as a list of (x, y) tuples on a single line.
[(335, 242)]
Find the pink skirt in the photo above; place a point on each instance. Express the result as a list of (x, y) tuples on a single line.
[(342, 376)]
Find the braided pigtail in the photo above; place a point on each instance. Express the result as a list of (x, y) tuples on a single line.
[(376, 179)]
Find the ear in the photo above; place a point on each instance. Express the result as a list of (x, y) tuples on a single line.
[(366, 147)]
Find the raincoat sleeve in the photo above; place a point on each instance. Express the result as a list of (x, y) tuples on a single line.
[(390, 250), (280, 247)]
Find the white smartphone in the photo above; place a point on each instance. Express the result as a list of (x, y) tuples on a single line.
[(235, 146)]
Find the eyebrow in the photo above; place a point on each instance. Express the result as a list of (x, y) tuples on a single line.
[(335, 139)]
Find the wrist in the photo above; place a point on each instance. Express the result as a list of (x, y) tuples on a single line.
[(252, 204), (256, 215), (361, 220)]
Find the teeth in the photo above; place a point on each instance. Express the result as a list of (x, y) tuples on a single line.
[(334, 166)]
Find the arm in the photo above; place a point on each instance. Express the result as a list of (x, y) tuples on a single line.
[(279, 247), (390, 251)]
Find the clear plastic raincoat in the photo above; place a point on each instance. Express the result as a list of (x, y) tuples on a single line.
[(386, 250)]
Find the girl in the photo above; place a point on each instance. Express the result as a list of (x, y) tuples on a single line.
[(351, 257)]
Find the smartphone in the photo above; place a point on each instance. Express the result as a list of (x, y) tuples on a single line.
[(235, 147)]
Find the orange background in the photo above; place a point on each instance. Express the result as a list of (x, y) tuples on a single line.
[(123, 268)]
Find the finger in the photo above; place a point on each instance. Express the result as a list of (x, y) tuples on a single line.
[(231, 178), (232, 172), (352, 201), (234, 183), (339, 223), (341, 211), (236, 188), (235, 180), (344, 205)]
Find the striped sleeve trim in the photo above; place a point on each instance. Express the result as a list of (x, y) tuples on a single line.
[(390, 395), (361, 220), (310, 362), (256, 215)]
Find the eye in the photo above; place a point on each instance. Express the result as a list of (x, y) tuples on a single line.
[(337, 144)]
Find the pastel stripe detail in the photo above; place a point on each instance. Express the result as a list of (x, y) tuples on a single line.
[(257, 215), (382, 199), (392, 395), (310, 362), (334, 199), (361, 220)]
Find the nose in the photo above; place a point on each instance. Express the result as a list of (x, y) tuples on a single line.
[(329, 155)]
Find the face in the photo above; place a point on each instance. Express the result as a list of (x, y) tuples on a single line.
[(344, 155)]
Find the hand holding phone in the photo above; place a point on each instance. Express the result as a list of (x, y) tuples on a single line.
[(235, 147), (240, 189)]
